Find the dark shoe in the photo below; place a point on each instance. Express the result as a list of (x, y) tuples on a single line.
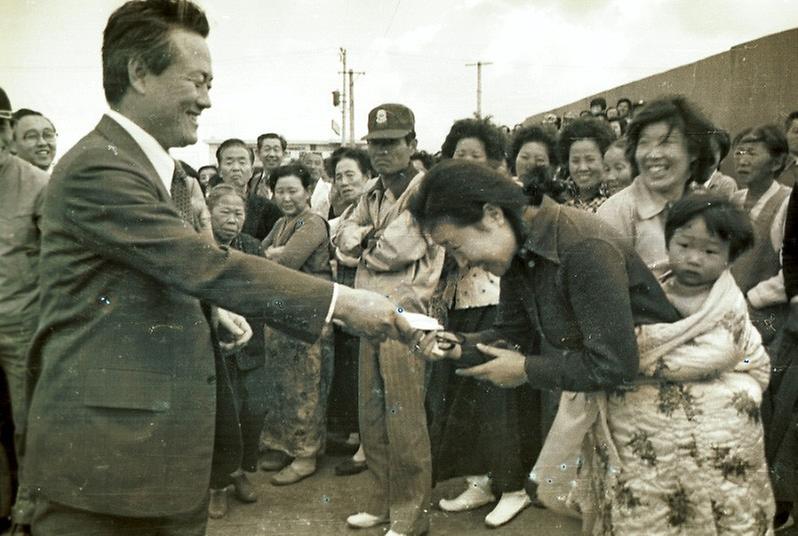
[(274, 460), (217, 508), (338, 447), (244, 490), (289, 475), (350, 467)]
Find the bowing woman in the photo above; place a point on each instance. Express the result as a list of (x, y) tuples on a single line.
[(565, 275)]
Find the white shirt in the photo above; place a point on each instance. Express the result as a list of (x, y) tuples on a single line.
[(320, 198), (163, 163)]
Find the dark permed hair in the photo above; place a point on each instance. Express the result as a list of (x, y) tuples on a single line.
[(298, 170), (722, 218), (482, 129), (141, 30), (525, 135), (584, 128)]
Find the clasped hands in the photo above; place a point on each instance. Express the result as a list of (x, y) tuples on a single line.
[(505, 369)]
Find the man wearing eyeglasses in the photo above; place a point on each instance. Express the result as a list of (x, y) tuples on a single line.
[(34, 138), (21, 207)]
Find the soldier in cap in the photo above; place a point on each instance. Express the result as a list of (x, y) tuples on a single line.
[(396, 260)]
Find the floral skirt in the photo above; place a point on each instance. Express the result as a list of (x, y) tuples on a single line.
[(298, 379), (690, 461)]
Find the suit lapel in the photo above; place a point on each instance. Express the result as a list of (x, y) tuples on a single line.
[(119, 138)]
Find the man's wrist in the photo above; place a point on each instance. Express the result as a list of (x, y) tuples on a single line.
[(333, 301)]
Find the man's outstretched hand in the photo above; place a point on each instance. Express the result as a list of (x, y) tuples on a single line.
[(372, 315)]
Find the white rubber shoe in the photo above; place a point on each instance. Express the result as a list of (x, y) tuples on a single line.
[(510, 505), (364, 520), (476, 494)]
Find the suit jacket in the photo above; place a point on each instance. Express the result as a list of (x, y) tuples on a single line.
[(122, 415)]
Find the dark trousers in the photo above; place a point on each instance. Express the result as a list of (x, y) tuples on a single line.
[(54, 519), (248, 388)]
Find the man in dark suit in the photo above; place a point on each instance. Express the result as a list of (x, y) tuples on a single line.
[(122, 416)]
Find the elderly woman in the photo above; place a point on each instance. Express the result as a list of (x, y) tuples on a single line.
[(759, 156), (586, 291), (245, 367), (299, 373), (477, 430), (582, 145), (669, 146)]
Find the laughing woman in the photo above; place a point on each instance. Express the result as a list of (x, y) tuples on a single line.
[(299, 373), (575, 281), (669, 144)]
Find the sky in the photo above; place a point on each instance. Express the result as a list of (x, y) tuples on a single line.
[(276, 63)]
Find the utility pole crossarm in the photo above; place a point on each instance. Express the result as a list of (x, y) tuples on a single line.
[(479, 65)]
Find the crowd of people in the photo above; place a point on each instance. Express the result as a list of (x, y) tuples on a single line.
[(613, 336)]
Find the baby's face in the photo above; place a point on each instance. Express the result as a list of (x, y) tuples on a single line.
[(697, 257)]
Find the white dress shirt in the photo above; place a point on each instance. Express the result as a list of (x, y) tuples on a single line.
[(163, 163)]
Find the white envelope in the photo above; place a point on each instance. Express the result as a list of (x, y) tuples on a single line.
[(422, 322)]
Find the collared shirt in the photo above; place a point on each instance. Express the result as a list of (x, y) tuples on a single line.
[(639, 215), (397, 259), (158, 156), (476, 287), (22, 186)]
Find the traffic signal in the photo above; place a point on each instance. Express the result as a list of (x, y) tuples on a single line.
[(336, 98)]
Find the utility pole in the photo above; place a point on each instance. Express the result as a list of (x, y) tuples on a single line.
[(352, 105), (342, 54), (479, 65)]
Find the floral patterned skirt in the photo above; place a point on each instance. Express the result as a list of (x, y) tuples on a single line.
[(298, 379), (691, 461)]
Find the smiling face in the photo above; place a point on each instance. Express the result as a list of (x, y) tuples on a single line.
[(349, 180), (697, 257), (270, 152), (227, 218), (586, 166), (290, 196), (470, 149), (489, 243), (235, 167), (35, 138), (174, 99), (663, 159), (532, 154), (619, 172)]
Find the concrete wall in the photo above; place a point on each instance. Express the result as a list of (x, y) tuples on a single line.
[(752, 83)]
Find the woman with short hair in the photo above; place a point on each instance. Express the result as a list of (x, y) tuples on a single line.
[(581, 147), (299, 374), (669, 147)]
